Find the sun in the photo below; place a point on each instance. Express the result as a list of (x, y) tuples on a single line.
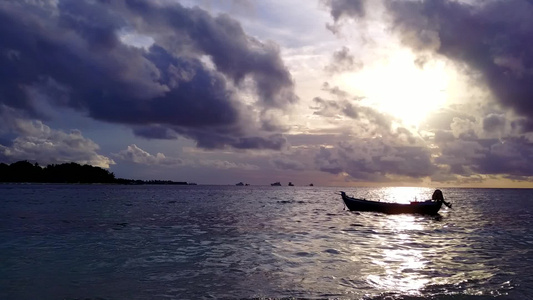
[(402, 89)]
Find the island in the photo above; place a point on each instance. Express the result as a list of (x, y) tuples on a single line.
[(24, 171)]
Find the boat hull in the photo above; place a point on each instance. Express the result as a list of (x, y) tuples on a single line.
[(426, 207)]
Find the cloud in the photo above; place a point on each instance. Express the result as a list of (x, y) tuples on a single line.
[(488, 41), (351, 8), (219, 138), (522, 125), (512, 156), (494, 122), (344, 8), (465, 128), (458, 155), (225, 165), (284, 163), (484, 146), (343, 61), (327, 161), (466, 156), (187, 82), (376, 160), (38, 142), (335, 91), (234, 53), (332, 108), (346, 105), (139, 156), (492, 38), (155, 132)]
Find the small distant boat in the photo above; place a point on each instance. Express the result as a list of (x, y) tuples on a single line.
[(276, 184), (290, 184), (428, 207), (311, 184), (240, 184)]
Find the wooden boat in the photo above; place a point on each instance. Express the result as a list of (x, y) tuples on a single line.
[(428, 207), (276, 184)]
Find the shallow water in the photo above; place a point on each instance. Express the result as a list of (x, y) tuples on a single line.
[(194, 242)]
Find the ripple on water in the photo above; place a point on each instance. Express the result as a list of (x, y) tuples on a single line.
[(230, 242)]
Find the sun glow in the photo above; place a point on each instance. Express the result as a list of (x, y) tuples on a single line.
[(401, 88)]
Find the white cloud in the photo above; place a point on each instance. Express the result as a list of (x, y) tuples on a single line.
[(38, 142), (139, 156)]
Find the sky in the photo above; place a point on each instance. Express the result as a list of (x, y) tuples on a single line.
[(435, 93)]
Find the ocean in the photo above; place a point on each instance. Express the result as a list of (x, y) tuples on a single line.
[(249, 242)]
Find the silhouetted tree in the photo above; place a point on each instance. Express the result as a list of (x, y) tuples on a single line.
[(4, 171), (75, 173), (24, 171)]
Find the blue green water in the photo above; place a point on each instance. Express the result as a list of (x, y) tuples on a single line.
[(213, 242)]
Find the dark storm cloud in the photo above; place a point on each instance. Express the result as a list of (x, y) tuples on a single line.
[(234, 53), (218, 138), (155, 132), (492, 38), (274, 141), (71, 54)]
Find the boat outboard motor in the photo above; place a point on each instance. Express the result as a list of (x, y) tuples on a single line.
[(438, 196)]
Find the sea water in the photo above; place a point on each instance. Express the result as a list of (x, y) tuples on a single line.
[(234, 242)]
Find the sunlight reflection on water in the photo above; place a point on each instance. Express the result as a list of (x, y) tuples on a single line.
[(400, 262), (401, 194), (144, 242)]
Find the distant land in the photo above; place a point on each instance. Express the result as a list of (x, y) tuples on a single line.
[(24, 171)]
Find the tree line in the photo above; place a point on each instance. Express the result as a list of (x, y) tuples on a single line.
[(24, 171)]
